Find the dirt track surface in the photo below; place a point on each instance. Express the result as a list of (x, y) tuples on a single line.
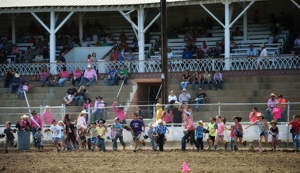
[(169, 161)]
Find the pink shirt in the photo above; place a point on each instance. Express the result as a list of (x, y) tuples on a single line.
[(77, 74), (189, 125), (205, 50), (15, 51), (86, 105), (43, 75), (82, 122), (220, 129), (47, 117), (23, 123), (64, 74), (119, 113), (167, 116), (25, 87), (277, 113), (38, 120), (253, 117), (90, 73)]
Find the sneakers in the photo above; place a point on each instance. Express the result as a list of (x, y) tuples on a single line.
[(143, 143), (124, 147), (5, 151), (260, 149), (235, 148), (244, 143), (226, 146), (134, 151), (251, 147), (208, 148)]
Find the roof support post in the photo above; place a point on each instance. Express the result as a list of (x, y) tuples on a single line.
[(141, 41), (295, 3), (13, 17), (80, 26), (56, 17), (245, 23), (40, 21), (155, 18), (231, 7), (53, 69), (133, 25), (64, 21), (212, 15), (227, 37), (244, 10)]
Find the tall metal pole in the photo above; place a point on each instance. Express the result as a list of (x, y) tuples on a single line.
[(164, 47)]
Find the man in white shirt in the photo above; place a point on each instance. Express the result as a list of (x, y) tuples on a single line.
[(56, 134), (39, 58), (90, 75), (263, 53)]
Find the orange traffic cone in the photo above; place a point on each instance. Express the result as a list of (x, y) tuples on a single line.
[(185, 167)]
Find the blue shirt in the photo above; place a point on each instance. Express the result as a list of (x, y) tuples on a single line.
[(120, 57), (136, 125), (161, 129), (151, 132), (199, 132), (111, 72), (118, 128), (251, 53), (62, 59), (187, 54)]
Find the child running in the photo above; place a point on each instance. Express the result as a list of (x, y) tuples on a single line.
[(295, 131), (56, 135), (38, 137), (101, 136), (274, 132), (200, 133), (62, 138), (238, 132), (161, 130), (263, 129), (137, 127), (71, 135), (212, 132), (152, 136), (220, 133), (9, 136)]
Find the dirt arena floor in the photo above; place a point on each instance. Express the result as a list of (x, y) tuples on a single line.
[(148, 161)]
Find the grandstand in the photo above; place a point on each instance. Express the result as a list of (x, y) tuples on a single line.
[(243, 83)]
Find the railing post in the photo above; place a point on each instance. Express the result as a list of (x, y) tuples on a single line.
[(154, 112), (63, 111), (288, 120), (89, 112), (41, 110), (219, 109)]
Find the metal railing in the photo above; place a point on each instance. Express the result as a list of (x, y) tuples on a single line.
[(175, 65)]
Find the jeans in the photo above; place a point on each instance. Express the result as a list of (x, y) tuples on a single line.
[(218, 85), (11, 86), (89, 141), (100, 111), (190, 134), (73, 81), (114, 142), (199, 101), (101, 144), (81, 98), (7, 82), (231, 142), (61, 81), (119, 78), (112, 79), (38, 143), (7, 143), (268, 114), (33, 132), (184, 84), (283, 114), (153, 143), (43, 80), (199, 85), (208, 83), (84, 79), (21, 94), (295, 140)]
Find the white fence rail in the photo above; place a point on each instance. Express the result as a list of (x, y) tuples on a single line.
[(175, 65)]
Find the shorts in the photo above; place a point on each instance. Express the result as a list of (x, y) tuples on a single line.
[(221, 136), (212, 138), (264, 134), (137, 136), (94, 140), (55, 140)]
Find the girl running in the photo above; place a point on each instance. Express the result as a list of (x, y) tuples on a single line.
[(274, 132), (220, 133), (263, 129), (212, 132), (238, 132)]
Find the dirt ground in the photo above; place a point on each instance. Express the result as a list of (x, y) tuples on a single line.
[(169, 161)]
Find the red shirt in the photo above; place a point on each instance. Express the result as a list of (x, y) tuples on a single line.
[(295, 125)]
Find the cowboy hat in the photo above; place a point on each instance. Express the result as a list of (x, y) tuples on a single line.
[(89, 66), (157, 104), (201, 122), (183, 89), (83, 112), (259, 114), (150, 124), (17, 75), (263, 46), (101, 120), (273, 122), (47, 106), (78, 126), (24, 116), (160, 121), (117, 118), (272, 94)]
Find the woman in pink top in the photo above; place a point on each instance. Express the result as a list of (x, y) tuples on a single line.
[(276, 112), (88, 60), (253, 115), (76, 76), (64, 76), (167, 115), (220, 133), (204, 48), (25, 88), (44, 76), (47, 116), (120, 113)]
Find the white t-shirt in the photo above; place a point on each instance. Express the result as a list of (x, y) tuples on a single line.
[(170, 55), (170, 98), (56, 131), (263, 53)]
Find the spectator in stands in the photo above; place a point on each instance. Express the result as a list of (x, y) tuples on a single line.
[(237, 32), (95, 36), (209, 23), (196, 34), (44, 74), (256, 16), (39, 58), (15, 83), (25, 88), (170, 54), (203, 33), (122, 36), (2, 56), (188, 40), (88, 60), (15, 50), (108, 37), (115, 55), (121, 74), (124, 45), (31, 39), (296, 51), (251, 52), (253, 115), (271, 104), (194, 48), (20, 38), (232, 44), (187, 54), (186, 23), (76, 76), (122, 55), (197, 80), (213, 53), (98, 43), (173, 34), (297, 40), (204, 49), (218, 80), (64, 76), (282, 102), (94, 57), (62, 58), (206, 79), (70, 95), (200, 99), (85, 43), (185, 79), (199, 53), (172, 98), (90, 75), (130, 55), (184, 97), (98, 108), (277, 112), (271, 38), (111, 75), (27, 57), (9, 75), (105, 43), (80, 95), (263, 54), (177, 113)]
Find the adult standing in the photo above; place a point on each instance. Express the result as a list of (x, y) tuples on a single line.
[(90, 75), (167, 115), (120, 112), (271, 104), (218, 80), (82, 119), (159, 111), (121, 74), (253, 115), (177, 114), (35, 123), (111, 75), (137, 127), (98, 108), (189, 131), (76, 75), (119, 134), (200, 99), (282, 101)]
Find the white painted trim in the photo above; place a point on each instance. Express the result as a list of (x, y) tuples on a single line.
[(212, 15), (64, 21), (155, 18), (295, 3), (245, 9), (127, 17), (40, 21)]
